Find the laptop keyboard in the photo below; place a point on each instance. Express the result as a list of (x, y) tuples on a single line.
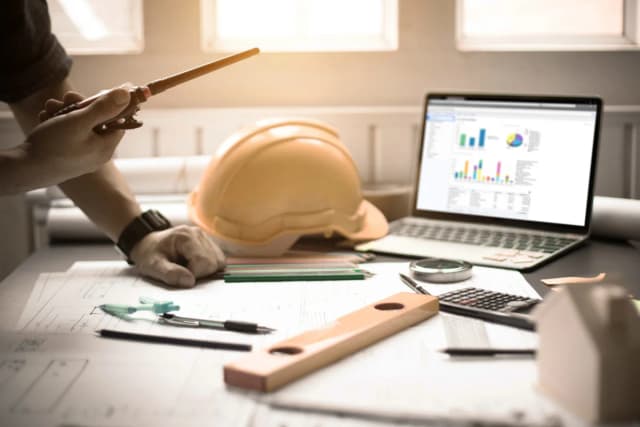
[(492, 238)]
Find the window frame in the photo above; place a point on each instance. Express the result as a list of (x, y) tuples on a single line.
[(387, 41), (628, 41)]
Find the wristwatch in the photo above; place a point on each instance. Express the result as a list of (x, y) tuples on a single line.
[(148, 222)]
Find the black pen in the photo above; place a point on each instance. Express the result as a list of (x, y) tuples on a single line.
[(229, 325), (511, 319), (413, 284), (488, 351), (109, 333)]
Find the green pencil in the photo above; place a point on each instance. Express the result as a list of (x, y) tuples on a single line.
[(281, 276)]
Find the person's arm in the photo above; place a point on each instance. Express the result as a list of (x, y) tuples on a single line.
[(176, 256), (58, 150), (65, 150), (102, 186)]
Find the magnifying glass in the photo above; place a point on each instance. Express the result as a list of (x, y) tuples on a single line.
[(438, 270)]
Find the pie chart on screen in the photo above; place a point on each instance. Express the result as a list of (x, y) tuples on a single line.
[(514, 140)]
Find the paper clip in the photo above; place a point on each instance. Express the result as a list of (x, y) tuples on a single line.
[(147, 304)]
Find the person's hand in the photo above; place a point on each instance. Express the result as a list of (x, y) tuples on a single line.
[(177, 256), (66, 146)]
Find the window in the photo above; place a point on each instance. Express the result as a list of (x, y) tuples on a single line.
[(89, 27), (547, 24), (299, 25)]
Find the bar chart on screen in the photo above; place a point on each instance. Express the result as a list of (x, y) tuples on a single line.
[(479, 171), (495, 137), (472, 140)]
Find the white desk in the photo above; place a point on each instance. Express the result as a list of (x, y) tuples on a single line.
[(16, 288)]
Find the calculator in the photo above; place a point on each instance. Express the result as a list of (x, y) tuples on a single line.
[(488, 300), (489, 305)]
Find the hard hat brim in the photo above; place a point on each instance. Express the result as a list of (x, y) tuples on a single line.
[(375, 225)]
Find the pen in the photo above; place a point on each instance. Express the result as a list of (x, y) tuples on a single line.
[(510, 319), (487, 351), (109, 333), (230, 325), (413, 284)]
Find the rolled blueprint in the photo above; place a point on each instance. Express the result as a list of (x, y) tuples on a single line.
[(161, 183), (616, 218), (149, 175), (163, 175), (70, 223)]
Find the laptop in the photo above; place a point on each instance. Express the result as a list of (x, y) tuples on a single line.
[(502, 181)]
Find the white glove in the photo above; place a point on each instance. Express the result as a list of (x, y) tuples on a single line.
[(178, 256)]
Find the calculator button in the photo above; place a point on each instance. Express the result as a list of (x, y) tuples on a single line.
[(516, 305)]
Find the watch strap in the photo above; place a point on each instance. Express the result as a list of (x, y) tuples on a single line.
[(147, 222)]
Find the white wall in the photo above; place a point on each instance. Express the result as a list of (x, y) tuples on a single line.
[(426, 61)]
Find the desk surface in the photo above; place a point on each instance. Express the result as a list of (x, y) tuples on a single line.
[(621, 260)]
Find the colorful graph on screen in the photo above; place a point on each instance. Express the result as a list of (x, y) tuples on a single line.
[(514, 140), (477, 173), (472, 141)]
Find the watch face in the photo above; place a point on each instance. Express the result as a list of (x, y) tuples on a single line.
[(156, 220)]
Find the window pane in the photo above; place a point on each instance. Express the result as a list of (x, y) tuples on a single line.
[(340, 17), (542, 17), (267, 19), (97, 26), (300, 25)]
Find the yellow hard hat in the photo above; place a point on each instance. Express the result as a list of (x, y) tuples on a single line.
[(282, 179)]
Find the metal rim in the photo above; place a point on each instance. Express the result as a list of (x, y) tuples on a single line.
[(442, 271)]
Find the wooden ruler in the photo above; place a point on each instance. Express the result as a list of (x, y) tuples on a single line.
[(272, 367)]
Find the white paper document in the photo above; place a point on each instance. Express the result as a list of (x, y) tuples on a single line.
[(54, 367), (52, 380), (68, 303)]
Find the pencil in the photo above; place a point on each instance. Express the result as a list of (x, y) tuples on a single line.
[(109, 333)]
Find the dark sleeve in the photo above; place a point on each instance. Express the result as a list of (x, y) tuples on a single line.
[(31, 56)]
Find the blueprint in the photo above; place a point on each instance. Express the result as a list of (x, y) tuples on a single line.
[(55, 370)]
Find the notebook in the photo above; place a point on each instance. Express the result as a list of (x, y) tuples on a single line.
[(504, 181)]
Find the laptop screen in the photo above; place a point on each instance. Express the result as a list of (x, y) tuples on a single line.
[(526, 159)]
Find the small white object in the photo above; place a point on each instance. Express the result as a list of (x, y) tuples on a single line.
[(589, 348)]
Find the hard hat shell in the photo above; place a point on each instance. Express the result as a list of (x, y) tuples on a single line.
[(267, 186)]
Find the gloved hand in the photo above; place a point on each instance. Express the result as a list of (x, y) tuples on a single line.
[(177, 256), (66, 146)]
